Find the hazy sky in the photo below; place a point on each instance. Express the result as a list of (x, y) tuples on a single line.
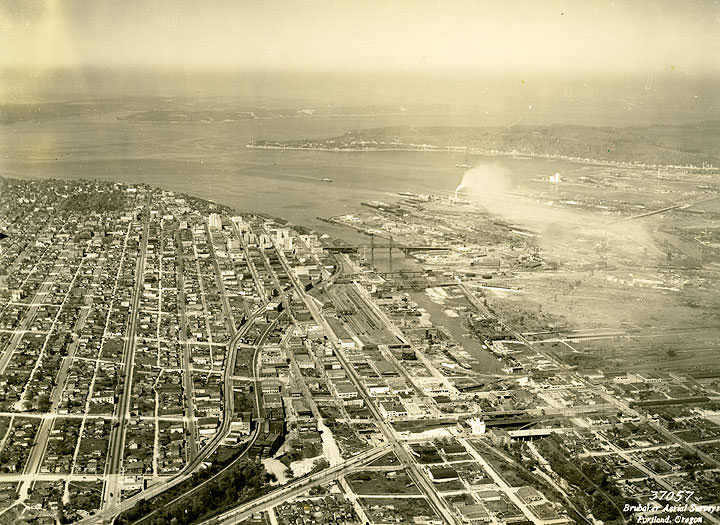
[(499, 36)]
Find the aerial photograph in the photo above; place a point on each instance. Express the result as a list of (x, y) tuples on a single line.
[(307, 262)]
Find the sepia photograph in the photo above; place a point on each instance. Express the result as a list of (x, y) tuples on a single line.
[(309, 262)]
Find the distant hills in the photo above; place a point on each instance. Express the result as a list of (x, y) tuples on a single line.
[(697, 144), (12, 113), (175, 110), (187, 116)]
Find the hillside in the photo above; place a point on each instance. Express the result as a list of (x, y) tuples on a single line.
[(695, 144)]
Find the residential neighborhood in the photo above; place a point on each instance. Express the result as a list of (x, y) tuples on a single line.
[(160, 344)]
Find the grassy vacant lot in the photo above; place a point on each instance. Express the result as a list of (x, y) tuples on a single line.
[(379, 482), (391, 510), (388, 459), (449, 486)]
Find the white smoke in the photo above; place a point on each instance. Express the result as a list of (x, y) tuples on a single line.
[(492, 187), (460, 187), (485, 183), (576, 236)]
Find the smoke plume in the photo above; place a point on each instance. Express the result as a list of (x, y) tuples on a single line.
[(492, 186)]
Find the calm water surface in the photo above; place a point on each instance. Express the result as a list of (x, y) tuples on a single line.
[(212, 161)]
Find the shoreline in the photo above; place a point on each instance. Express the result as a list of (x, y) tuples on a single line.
[(492, 153)]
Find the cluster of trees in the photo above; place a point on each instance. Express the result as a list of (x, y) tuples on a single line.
[(597, 493), (96, 202), (246, 481), (244, 403)]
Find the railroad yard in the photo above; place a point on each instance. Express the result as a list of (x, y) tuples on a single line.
[(160, 347)]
